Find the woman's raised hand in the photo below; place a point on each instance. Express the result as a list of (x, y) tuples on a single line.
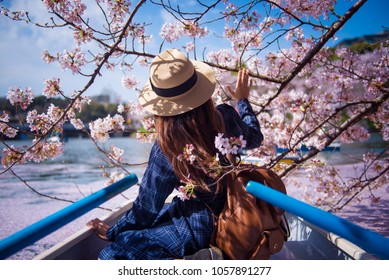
[(242, 87)]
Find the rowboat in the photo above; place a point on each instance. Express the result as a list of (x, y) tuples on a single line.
[(318, 235), (306, 241)]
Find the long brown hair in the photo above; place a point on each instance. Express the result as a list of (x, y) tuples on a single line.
[(197, 127)]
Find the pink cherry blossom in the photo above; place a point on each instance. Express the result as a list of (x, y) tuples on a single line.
[(182, 193), (47, 57), (39, 123), (52, 88), (385, 133), (116, 153), (80, 101), (172, 31), (19, 97), (77, 123), (187, 154), (193, 29), (72, 60), (129, 82), (146, 137), (148, 123), (353, 134), (114, 177), (101, 128), (4, 11), (12, 155), (5, 129), (43, 150), (70, 11), (82, 36), (143, 62), (186, 192), (190, 46), (230, 145), (117, 10), (223, 57)]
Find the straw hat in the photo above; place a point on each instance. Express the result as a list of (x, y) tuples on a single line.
[(177, 84)]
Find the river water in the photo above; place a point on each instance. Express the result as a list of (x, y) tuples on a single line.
[(78, 173)]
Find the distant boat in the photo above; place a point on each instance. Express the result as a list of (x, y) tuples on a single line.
[(333, 147), (54, 139), (289, 159), (258, 160)]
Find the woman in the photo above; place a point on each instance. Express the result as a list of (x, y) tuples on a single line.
[(179, 95)]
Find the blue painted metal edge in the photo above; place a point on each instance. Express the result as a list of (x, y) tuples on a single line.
[(370, 241), (25, 237)]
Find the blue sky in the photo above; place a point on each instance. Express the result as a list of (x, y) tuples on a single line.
[(21, 46), (370, 19)]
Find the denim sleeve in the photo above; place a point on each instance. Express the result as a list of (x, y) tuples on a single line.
[(158, 182), (244, 122)]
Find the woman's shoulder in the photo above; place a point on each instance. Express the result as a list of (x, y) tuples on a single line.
[(156, 154), (159, 164), (227, 111), (225, 108)]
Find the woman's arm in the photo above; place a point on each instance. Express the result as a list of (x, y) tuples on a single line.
[(246, 123), (157, 184)]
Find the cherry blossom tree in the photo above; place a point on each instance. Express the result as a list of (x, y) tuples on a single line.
[(304, 92)]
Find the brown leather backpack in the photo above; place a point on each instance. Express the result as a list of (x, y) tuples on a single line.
[(249, 228)]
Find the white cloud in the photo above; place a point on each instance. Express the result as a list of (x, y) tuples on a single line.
[(166, 16)]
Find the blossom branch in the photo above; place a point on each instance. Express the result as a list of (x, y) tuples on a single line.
[(359, 186), (46, 195), (309, 56), (350, 122)]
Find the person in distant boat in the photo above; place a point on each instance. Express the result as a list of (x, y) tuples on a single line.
[(179, 95)]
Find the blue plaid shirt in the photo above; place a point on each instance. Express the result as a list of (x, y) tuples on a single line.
[(151, 230)]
